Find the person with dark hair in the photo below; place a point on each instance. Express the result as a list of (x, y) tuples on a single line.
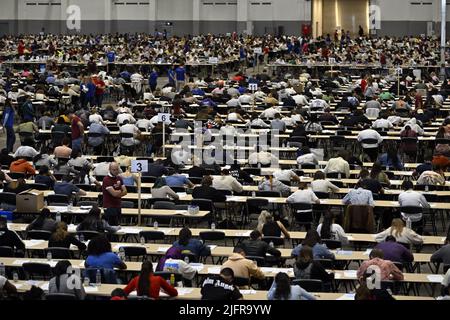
[(442, 255), (63, 151), (63, 239), (368, 183), (173, 261), (5, 158), (62, 277), (409, 197), (7, 289), (272, 184), (282, 289), (67, 187), (220, 287), (256, 247), (313, 240), (43, 222), (113, 190), (328, 229), (9, 238), (359, 196), (148, 285), (93, 222), (241, 266), (227, 182), (34, 294), (394, 251), (195, 246), (432, 177), (174, 179), (100, 255), (388, 270), (377, 174), (206, 191), (320, 184), (306, 268), (8, 125), (45, 177), (338, 164)]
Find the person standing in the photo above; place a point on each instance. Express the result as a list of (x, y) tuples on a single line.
[(8, 125), (77, 131), (153, 80), (180, 77), (172, 77), (113, 190)]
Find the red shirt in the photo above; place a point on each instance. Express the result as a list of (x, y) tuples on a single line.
[(100, 83), (21, 49), (76, 132), (108, 200), (156, 283)]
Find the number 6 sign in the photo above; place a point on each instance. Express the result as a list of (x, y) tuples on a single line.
[(164, 117)]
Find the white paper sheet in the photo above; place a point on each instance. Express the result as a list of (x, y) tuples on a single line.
[(90, 289), (350, 274), (197, 266), (213, 270), (163, 249), (347, 296), (244, 292), (20, 262)]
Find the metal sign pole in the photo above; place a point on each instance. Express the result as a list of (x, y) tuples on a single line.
[(164, 139)]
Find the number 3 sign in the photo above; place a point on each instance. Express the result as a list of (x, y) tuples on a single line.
[(139, 166)]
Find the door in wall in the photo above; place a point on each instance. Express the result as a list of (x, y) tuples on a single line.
[(346, 15), (4, 29)]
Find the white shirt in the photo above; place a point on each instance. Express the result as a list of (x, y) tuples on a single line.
[(180, 157), (125, 116), (262, 157), (2, 282), (284, 175), (234, 102), (26, 151), (95, 118), (323, 185), (269, 113), (227, 183), (129, 128), (370, 134), (382, 123), (144, 124), (337, 233), (337, 165), (304, 196)]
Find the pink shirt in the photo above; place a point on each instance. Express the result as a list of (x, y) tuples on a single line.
[(389, 271)]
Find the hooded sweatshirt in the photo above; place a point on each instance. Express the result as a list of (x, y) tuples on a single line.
[(242, 267)]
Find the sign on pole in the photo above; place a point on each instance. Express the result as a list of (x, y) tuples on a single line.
[(139, 166), (257, 50), (331, 61), (213, 60), (164, 117)]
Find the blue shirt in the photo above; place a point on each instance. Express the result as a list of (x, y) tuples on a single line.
[(198, 92), (297, 293), (171, 75), (195, 246), (176, 181), (320, 251), (181, 73), (359, 196), (111, 56), (66, 188), (8, 117), (107, 260)]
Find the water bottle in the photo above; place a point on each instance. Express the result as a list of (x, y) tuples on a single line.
[(155, 224), (259, 165), (49, 256), (2, 269), (253, 194), (58, 216), (288, 144), (427, 188), (186, 259), (142, 241), (81, 238), (86, 281), (213, 226), (408, 223), (172, 279), (387, 168), (15, 276), (271, 244), (339, 175), (98, 278)]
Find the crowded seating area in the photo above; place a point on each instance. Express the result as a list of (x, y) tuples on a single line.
[(262, 171)]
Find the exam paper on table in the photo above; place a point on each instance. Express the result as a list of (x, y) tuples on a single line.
[(89, 289), (197, 266), (243, 234), (214, 270), (435, 278), (163, 249), (248, 291), (350, 274), (32, 243), (347, 296)]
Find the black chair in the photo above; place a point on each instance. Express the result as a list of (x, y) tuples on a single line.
[(326, 263), (212, 235), (135, 253), (277, 241), (88, 234), (38, 186), (307, 166), (336, 175), (39, 234), (178, 189), (322, 195), (60, 296), (148, 179), (164, 205), (270, 194), (108, 276), (6, 252), (128, 204), (17, 175), (190, 257), (254, 207), (241, 282), (152, 235), (310, 285), (57, 198), (37, 271), (105, 159), (252, 171), (332, 244), (303, 214), (59, 253), (203, 204)]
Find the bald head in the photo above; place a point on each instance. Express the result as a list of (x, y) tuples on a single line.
[(114, 168)]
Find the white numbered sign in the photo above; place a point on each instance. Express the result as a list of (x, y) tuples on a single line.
[(139, 166), (399, 71), (331, 60), (213, 60), (164, 117), (257, 50), (253, 86)]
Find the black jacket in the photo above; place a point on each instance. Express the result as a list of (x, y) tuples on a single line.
[(259, 248), (206, 192), (66, 242), (9, 238)]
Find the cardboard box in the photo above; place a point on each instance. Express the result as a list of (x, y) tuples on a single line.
[(30, 201)]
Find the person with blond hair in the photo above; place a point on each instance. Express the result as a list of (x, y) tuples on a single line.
[(400, 232), (270, 227)]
